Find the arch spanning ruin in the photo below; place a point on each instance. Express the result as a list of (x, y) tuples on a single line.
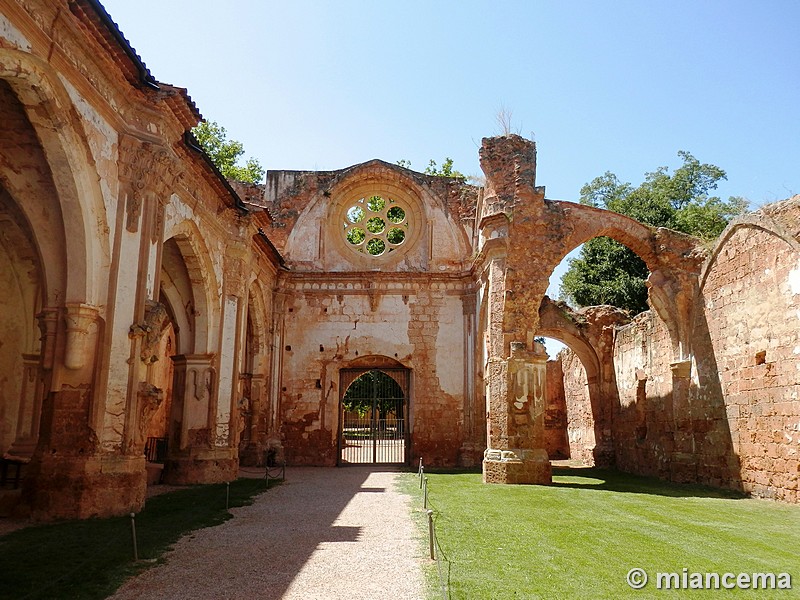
[(159, 314)]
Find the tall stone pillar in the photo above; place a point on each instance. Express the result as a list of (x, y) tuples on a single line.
[(30, 407), (516, 418), (516, 269), (193, 457)]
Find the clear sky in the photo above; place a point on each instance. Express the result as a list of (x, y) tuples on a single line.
[(617, 86)]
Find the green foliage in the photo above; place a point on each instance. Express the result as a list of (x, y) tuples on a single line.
[(374, 388), (355, 235), (608, 523), (609, 273), (225, 153), (446, 170), (606, 273), (396, 235)]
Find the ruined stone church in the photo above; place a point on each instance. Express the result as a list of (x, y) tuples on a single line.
[(160, 322)]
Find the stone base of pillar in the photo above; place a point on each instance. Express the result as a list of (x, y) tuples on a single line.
[(604, 456), (517, 466), (250, 455), (470, 455), (69, 487), (207, 466)]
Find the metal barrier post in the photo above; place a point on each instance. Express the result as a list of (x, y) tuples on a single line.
[(425, 494), (133, 535), (430, 533)]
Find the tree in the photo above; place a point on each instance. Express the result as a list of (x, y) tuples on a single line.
[(225, 153), (606, 272), (446, 169)]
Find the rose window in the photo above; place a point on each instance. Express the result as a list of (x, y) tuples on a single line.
[(375, 225)]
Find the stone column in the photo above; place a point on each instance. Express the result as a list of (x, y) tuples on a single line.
[(516, 418), (255, 413), (192, 455), (30, 406), (79, 318), (471, 446), (274, 417)]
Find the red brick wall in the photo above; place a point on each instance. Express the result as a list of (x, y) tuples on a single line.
[(752, 309), (643, 426), (555, 416), (580, 421)]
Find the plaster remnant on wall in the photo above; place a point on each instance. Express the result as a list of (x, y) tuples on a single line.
[(794, 280), (13, 35)]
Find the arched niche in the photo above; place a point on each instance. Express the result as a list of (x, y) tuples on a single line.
[(56, 172)]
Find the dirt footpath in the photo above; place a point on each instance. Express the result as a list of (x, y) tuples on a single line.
[(323, 534)]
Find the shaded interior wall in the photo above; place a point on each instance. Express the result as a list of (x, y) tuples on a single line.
[(644, 427), (752, 310), (555, 416), (13, 332), (325, 331), (162, 372), (580, 421)]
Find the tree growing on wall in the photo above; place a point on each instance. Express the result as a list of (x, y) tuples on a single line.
[(225, 153), (446, 170), (606, 272)]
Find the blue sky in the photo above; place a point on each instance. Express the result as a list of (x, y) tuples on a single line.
[(617, 86)]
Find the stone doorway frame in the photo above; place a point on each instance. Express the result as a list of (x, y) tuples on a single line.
[(397, 372)]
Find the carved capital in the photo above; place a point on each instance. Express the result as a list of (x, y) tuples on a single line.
[(145, 167)]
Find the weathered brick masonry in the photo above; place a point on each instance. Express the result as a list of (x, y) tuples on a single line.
[(739, 426), (159, 321)]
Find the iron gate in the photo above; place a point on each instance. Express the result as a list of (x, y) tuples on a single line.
[(374, 416)]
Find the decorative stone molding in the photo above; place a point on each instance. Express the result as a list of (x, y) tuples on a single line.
[(79, 318), (681, 369), (145, 167), (150, 329)]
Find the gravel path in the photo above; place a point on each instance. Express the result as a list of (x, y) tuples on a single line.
[(323, 534)]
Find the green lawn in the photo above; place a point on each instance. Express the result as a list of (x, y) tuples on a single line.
[(88, 560), (581, 536)]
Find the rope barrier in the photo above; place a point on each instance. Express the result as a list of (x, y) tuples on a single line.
[(435, 547)]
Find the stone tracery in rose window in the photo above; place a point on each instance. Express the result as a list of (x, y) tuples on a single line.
[(376, 225)]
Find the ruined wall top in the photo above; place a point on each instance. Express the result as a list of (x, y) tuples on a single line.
[(371, 216), (509, 163)]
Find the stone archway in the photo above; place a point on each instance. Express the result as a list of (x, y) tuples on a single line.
[(22, 383), (190, 422), (255, 414), (374, 410), (589, 335)]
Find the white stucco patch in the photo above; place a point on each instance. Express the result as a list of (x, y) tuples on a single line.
[(103, 143), (226, 388), (794, 280), (13, 35)]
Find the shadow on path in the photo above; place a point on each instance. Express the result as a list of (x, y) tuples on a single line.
[(322, 529)]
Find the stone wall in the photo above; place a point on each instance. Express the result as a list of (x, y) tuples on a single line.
[(580, 419), (115, 226), (729, 416), (643, 418), (751, 294), (420, 326), (555, 417)]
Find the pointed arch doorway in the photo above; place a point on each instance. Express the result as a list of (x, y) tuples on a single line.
[(374, 411)]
